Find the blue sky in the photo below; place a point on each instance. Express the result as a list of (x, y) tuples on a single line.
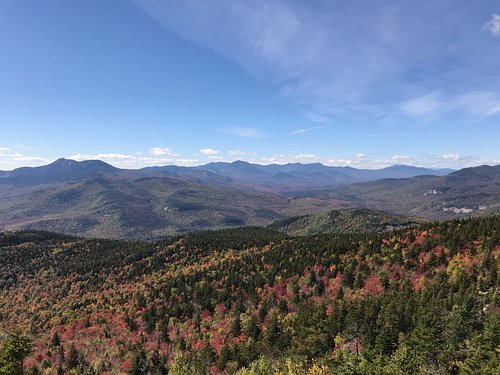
[(152, 82)]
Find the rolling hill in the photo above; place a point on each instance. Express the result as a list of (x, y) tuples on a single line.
[(144, 208), (349, 220), (463, 193)]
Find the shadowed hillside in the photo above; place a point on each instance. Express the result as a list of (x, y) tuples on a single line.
[(143, 208)]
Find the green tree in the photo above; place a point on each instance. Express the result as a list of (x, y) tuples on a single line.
[(484, 355), (402, 361), (56, 340), (225, 356), (236, 325), (15, 350), (140, 364), (273, 329)]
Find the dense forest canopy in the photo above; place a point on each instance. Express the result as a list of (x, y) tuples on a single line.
[(420, 300)]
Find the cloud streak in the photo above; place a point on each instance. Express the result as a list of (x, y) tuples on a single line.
[(306, 130), (245, 132), (475, 103)]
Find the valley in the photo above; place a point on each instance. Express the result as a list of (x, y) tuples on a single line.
[(94, 199)]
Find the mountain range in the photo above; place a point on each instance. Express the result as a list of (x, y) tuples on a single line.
[(94, 199), (239, 174)]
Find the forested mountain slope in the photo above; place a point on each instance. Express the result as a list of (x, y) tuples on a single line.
[(414, 301), (94, 199), (466, 192), (340, 221), (145, 208)]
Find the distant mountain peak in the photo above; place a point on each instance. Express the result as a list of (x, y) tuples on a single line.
[(64, 162), (98, 165), (61, 170), (240, 162)]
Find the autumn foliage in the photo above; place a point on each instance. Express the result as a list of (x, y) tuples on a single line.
[(410, 301)]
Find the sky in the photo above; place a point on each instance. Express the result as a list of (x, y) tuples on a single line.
[(153, 82)]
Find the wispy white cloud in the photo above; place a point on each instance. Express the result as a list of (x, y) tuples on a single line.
[(317, 117), (102, 156), (160, 151), (236, 153), (242, 131), (288, 158), (25, 158), (359, 160), (479, 103), (209, 152), (305, 130), (239, 153), (10, 159), (493, 25), (403, 159), (216, 158), (339, 57), (423, 106), (474, 103), (457, 161)]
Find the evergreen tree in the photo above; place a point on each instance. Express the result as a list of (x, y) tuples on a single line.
[(272, 329), (56, 340), (236, 325), (484, 354), (15, 350), (72, 359), (139, 364)]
